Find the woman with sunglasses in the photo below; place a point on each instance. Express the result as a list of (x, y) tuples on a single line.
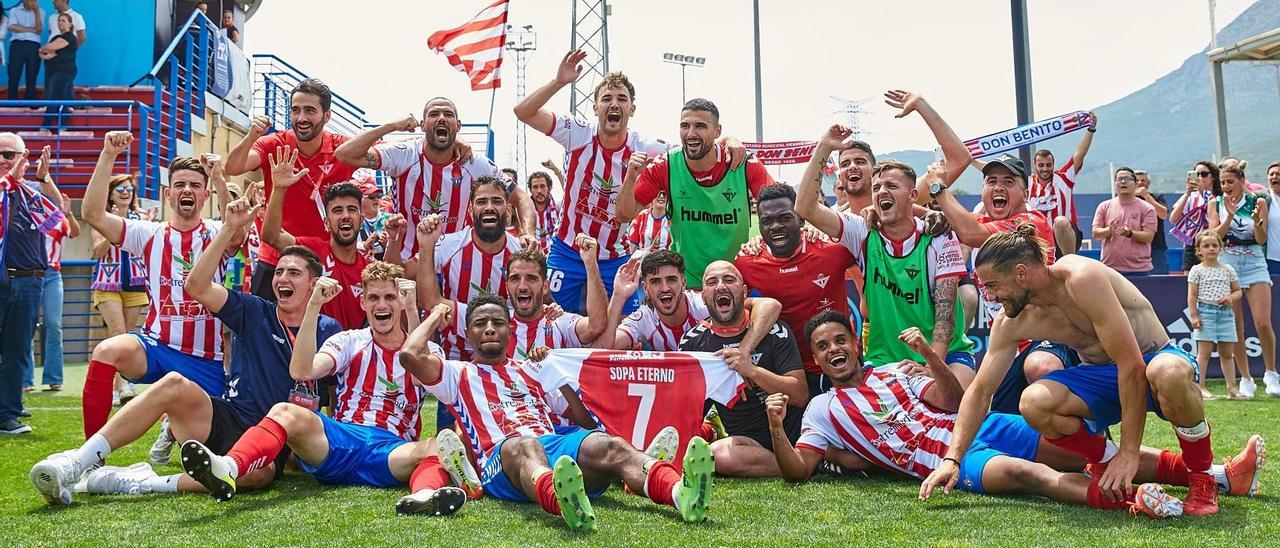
[(119, 279), (1189, 214), (1240, 219)]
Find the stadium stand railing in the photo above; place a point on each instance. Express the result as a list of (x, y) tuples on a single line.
[(74, 150)]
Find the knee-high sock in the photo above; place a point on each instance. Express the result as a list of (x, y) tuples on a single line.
[(545, 489), (259, 445), (95, 405), (1093, 447), (1170, 470), (660, 484), (429, 474), (1094, 499), (1197, 453)]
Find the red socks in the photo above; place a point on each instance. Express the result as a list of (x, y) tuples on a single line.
[(429, 474), (707, 432), (1091, 446), (259, 445), (1170, 470), (545, 488), (1096, 500), (1196, 453), (95, 405), (661, 480)]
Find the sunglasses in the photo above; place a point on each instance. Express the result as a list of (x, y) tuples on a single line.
[(1202, 174), (124, 188), (11, 154)]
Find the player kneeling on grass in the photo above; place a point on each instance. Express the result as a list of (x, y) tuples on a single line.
[(904, 425), (512, 436), (369, 441), (259, 379)]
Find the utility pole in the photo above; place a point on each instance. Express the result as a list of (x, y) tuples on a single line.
[(522, 42)]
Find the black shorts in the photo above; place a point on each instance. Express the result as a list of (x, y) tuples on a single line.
[(225, 430), (764, 438), (967, 279), (260, 283), (1008, 395)]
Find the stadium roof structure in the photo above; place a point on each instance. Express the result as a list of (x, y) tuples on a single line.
[(1263, 47)]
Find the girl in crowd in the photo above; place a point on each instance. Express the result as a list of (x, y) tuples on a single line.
[(1212, 289), (119, 280), (1239, 217)]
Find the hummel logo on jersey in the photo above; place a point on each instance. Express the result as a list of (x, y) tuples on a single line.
[(821, 281), (788, 269), (233, 388), (728, 195), (913, 272)]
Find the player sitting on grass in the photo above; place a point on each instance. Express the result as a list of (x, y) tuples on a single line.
[(369, 441), (510, 429), (904, 425)]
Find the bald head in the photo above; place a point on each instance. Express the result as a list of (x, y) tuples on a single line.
[(440, 123), (724, 293)]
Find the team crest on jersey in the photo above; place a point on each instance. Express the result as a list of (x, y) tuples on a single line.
[(325, 169), (755, 358), (110, 269), (728, 195), (913, 272), (821, 280), (357, 290)]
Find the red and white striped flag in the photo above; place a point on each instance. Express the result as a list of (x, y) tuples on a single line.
[(476, 47)]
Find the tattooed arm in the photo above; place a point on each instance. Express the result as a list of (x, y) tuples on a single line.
[(358, 151), (944, 306)]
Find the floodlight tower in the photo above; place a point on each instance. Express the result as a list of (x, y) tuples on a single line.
[(522, 41), (852, 109), (590, 34)]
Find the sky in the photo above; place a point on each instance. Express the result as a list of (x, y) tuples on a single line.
[(1084, 54)]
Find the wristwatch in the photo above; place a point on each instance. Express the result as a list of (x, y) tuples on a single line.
[(936, 188)]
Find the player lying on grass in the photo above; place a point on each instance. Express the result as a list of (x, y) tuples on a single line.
[(511, 432), (370, 439), (259, 379), (1129, 366), (904, 425)]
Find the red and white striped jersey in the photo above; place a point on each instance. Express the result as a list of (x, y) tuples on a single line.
[(633, 395), (1055, 198), (525, 335), (494, 402), (647, 330), (547, 220), (467, 270), (175, 318), (373, 389), (53, 243), (649, 232), (592, 179), (423, 187), (884, 421)]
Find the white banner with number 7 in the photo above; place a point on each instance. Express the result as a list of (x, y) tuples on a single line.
[(634, 394)]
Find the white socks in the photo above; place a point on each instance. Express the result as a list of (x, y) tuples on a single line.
[(1110, 451), (94, 451), (163, 484)]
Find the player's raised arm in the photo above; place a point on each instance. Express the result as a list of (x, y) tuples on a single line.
[(1001, 351), (282, 177), (94, 206), (1096, 297), (358, 151), (628, 205), (416, 356), (199, 283), (531, 109), (764, 315), (307, 364), (625, 283), (811, 204), (797, 465), (243, 158), (957, 155), (593, 325), (946, 391), (428, 233)]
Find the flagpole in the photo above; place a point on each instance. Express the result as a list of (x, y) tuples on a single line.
[(493, 98)]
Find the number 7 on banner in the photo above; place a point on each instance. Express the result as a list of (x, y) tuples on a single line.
[(647, 394)]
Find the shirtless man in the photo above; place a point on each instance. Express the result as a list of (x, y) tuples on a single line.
[(1129, 367)]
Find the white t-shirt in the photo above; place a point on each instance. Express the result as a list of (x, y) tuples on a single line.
[(77, 22), (1273, 228), (1213, 283)]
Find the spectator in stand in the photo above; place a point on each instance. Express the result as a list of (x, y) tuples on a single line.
[(119, 279), (1273, 220), (1240, 219), (651, 229), (59, 69), (1190, 212), (24, 26), (63, 7), (28, 218), (229, 25), (373, 220), (842, 197), (1159, 259), (4, 33), (51, 304), (1212, 287), (1126, 225)]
